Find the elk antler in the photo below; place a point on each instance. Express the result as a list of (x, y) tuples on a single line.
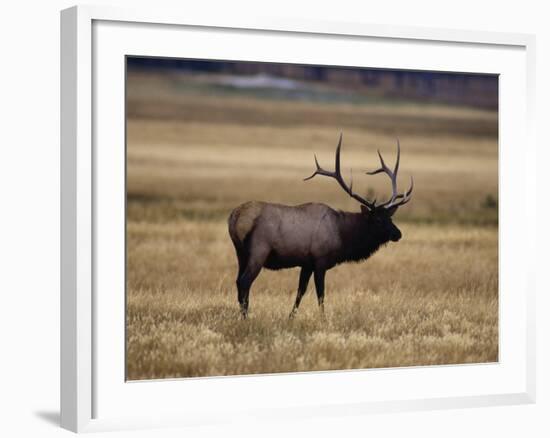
[(337, 175), (404, 197), (401, 198)]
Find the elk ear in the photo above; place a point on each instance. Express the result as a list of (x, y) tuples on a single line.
[(365, 210), (392, 210)]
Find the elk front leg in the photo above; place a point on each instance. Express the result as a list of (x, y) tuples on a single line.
[(305, 275), (319, 278)]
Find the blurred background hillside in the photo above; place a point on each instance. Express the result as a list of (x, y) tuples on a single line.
[(349, 84)]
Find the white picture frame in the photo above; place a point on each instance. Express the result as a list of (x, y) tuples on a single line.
[(94, 395)]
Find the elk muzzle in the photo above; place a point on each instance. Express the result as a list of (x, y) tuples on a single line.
[(395, 235)]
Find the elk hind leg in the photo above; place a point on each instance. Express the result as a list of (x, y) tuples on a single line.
[(243, 261), (246, 278)]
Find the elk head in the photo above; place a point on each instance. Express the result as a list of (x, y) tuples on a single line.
[(378, 217)]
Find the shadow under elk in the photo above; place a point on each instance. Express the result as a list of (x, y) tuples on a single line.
[(312, 236)]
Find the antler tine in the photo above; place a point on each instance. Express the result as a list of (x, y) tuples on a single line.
[(318, 168), (393, 176), (406, 196), (337, 159), (337, 175), (396, 168), (320, 171)]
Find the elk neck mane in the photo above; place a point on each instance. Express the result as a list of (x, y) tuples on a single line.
[(359, 240)]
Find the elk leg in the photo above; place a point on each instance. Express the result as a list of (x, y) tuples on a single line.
[(319, 278), (246, 279), (243, 261), (305, 275), (243, 286)]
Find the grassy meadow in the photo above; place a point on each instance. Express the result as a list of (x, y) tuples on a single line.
[(196, 151)]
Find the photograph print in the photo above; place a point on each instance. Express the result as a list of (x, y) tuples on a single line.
[(287, 218)]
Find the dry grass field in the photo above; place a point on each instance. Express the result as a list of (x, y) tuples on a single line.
[(194, 155)]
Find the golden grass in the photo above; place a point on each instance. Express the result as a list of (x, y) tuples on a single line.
[(432, 298)]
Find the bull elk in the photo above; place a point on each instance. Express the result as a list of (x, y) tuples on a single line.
[(312, 236)]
